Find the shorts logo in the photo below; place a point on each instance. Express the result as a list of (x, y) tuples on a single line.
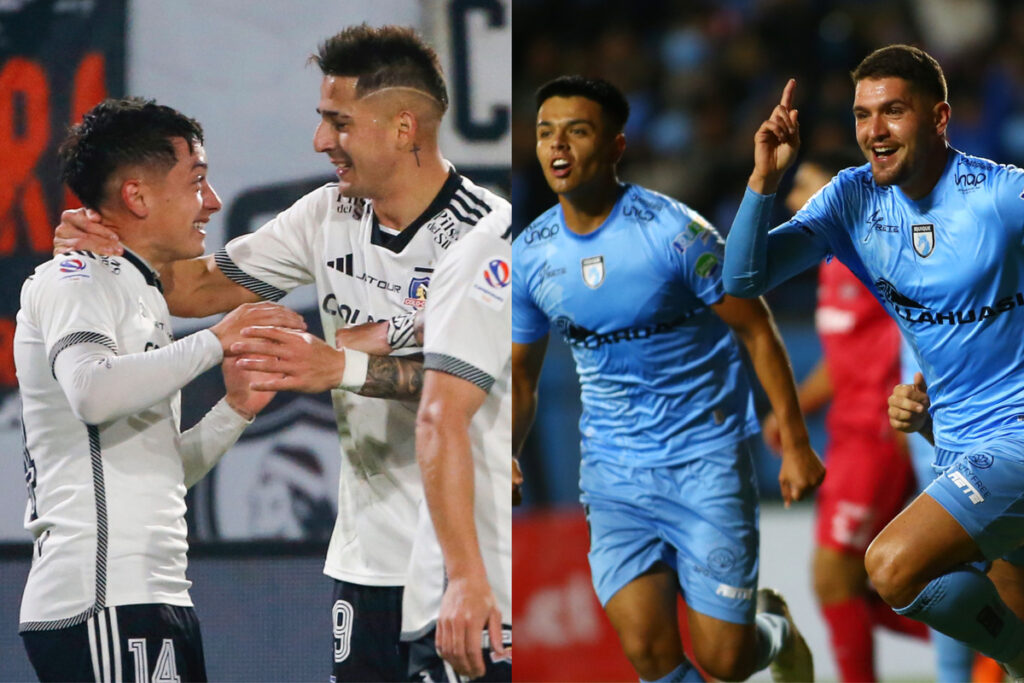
[(966, 487), (721, 560), (71, 265), (498, 274), (981, 460), (924, 239), (734, 593), (417, 292), (593, 271)]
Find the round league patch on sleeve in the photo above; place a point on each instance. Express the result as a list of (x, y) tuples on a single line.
[(491, 282)]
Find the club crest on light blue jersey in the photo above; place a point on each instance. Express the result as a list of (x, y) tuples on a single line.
[(593, 271), (924, 239)]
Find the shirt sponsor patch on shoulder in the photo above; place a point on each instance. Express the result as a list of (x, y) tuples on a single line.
[(490, 284)]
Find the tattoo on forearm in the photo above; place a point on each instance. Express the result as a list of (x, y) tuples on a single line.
[(391, 377)]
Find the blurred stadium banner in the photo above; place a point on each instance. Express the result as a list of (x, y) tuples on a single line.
[(562, 633), (240, 69)]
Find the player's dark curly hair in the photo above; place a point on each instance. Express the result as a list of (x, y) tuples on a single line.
[(117, 133), (912, 64), (383, 57), (613, 102)]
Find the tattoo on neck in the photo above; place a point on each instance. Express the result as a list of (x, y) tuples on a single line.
[(416, 153)]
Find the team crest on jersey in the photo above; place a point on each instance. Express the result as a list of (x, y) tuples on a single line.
[(924, 239), (418, 291), (593, 271)]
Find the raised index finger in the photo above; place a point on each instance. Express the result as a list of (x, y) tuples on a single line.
[(787, 93)]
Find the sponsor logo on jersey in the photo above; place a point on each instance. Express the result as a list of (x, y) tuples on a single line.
[(342, 264), (638, 212), (913, 312), (417, 292), (444, 228), (350, 316), (877, 222), (581, 337), (924, 239), (968, 181), (353, 206), (541, 232), (593, 271)]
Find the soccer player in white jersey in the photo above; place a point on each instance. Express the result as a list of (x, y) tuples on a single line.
[(100, 372), (370, 243), (460, 575)]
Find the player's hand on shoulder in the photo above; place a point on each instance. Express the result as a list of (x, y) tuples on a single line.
[(238, 383), (368, 337), (802, 471), (229, 329), (908, 406), (776, 144), (83, 229), (467, 608)]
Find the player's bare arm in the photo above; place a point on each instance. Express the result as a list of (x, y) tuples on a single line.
[(802, 470), (445, 458), (908, 408), (776, 144), (527, 361), (813, 394), (194, 288)]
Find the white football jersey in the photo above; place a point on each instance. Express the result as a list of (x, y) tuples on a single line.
[(106, 502), (467, 333), (362, 275)]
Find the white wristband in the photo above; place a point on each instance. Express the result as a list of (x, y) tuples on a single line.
[(356, 366)]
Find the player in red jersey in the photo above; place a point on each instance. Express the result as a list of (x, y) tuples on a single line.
[(870, 476)]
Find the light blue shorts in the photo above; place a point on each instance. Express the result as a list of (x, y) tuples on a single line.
[(983, 489), (698, 517)]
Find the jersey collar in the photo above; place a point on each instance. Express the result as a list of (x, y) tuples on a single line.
[(152, 277), (397, 243)]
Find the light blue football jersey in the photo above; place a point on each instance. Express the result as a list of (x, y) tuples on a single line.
[(660, 374), (950, 269)]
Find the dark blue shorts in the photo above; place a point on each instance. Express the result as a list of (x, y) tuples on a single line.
[(367, 624), (126, 643)]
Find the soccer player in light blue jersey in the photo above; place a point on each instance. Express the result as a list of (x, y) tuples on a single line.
[(939, 236), (631, 280)]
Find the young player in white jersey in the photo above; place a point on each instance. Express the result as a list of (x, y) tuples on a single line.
[(369, 243), (100, 373), (460, 575)]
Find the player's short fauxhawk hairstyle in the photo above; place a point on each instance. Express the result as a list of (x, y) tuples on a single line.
[(385, 57), (912, 64), (613, 103), (118, 133)]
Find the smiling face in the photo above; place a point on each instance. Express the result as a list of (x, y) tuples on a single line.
[(574, 144), (354, 134), (180, 203), (899, 131)]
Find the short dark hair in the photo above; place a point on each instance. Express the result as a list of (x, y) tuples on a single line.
[(117, 133), (613, 103), (385, 57), (912, 64)]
